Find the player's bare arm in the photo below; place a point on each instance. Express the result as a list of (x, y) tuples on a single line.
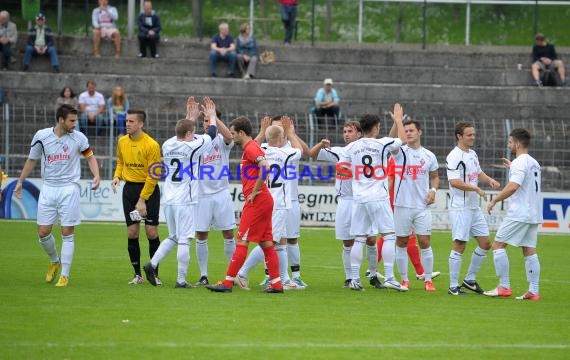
[(504, 194), (434, 185), (28, 167), (323, 144), (94, 167), (264, 170), (484, 178), (463, 186)]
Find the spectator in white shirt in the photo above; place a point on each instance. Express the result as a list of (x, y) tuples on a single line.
[(91, 108)]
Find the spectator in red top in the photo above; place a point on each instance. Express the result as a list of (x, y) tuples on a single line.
[(255, 223), (288, 11)]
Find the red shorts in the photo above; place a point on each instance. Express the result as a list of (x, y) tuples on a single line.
[(255, 223)]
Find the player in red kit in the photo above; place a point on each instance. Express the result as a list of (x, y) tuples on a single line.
[(255, 224)]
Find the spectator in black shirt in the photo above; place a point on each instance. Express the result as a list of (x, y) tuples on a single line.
[(544, 56)]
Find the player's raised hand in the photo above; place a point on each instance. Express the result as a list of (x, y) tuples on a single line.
[(265, 123), (209, 109), (287, 125), (398, 114), (325, 143), (506, 162), (192, 109)]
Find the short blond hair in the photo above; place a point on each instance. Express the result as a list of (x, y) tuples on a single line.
[(274, 133)]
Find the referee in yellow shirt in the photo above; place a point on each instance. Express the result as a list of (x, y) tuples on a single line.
[(136, 152)]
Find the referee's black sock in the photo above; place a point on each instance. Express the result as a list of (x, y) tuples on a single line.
[(153, 245), (135, 254)]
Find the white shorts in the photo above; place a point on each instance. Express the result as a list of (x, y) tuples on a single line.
[(517, 233), (294, 220), (59, 201), (279, 223), (373, 217), (217, 210), (342, 219), (466, 223), (180, 222), (407, 218)]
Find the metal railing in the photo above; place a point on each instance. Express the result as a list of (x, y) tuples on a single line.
[(550, 144)]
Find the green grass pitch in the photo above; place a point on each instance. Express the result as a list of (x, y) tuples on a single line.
[(99, 316)]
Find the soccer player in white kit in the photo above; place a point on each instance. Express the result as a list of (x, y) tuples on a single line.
[(294, 215), (59, 148), (280, 177), (524, 215), (415, 186), (324, 152), (371, 211), (181, 156), (465, 215), (216, 204)]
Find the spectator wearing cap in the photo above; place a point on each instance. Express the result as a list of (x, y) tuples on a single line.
[(103, 18), (149, 30), (326, 101), (544, 56), (8, 37), (40, 42)]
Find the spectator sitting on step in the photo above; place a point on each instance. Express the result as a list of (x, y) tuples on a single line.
[(40, 42), (117, 107), (326, 101), (544, 57), (223, 47), (103, 19), (246, 52), (67, 96), (8, 37), (91, 108), (149, 30)]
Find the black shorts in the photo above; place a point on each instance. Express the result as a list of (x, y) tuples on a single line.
[(131, 195)]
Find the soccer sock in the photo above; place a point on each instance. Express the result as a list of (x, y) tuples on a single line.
[(294, 257), (273, 266), (235, 264), (532, 267), (427, 261), (255, 257), (501, 261), (229, 248), (346, 261), (356, 257), (153, 245), (388, 254), (372, 257), (183, 257), (402, 261), (48, 243), (202, 256), (455, 259), (282, 256), (67, 248), (414, 255), (379, 245), (164, 249), (479, 255), (135, 255)]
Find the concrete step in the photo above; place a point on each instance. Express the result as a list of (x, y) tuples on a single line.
[(482, 57), (424, 108), (289, 90), (294, 71)]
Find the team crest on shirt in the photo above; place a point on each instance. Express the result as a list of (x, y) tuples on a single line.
[(65, 148)]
